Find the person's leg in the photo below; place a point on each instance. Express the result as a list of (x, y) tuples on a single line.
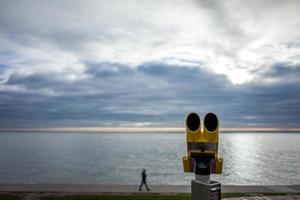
[(146, 186), (141, 185)]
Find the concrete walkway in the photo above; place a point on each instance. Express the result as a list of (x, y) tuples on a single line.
[(85, 188), (271, 197)]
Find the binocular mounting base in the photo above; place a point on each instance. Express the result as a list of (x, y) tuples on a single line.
[(202, 187), (206, 191)]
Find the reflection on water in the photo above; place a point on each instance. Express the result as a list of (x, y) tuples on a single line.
[(260, 158), (249, 158)]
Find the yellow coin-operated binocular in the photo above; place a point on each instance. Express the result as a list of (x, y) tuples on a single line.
[(202, 145)]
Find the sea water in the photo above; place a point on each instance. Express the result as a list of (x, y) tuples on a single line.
[(118, 158)]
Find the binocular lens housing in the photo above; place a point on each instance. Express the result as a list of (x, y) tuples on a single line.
[(202, 145), (211, 122), (193, 122)]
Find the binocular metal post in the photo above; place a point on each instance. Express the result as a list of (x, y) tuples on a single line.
[(202, 187)]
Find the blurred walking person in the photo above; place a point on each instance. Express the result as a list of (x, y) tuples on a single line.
[(144, 181)]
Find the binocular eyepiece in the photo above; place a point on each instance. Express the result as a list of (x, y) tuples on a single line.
[(202, 144)]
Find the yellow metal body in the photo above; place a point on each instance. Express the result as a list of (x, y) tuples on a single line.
[(202, 142)]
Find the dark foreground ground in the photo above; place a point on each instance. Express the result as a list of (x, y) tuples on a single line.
[(130, 192)]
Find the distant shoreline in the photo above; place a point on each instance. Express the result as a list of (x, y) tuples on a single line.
[(146, 130)]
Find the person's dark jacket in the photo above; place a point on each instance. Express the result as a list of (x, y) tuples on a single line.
[(144, 176)]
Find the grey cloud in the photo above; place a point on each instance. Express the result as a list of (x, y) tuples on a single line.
[(157, 93), (32, 81), (106, 69), (285, 70)]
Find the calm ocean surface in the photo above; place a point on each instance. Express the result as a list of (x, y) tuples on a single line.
[(118, 158)]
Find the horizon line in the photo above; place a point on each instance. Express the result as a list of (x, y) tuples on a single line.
[(143, 129)]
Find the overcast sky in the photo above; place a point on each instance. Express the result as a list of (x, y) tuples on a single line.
[(149, 63)]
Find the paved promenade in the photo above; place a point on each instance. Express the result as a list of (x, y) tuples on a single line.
[(271, 197), (75, 188), (85, 188), (34, 191)]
